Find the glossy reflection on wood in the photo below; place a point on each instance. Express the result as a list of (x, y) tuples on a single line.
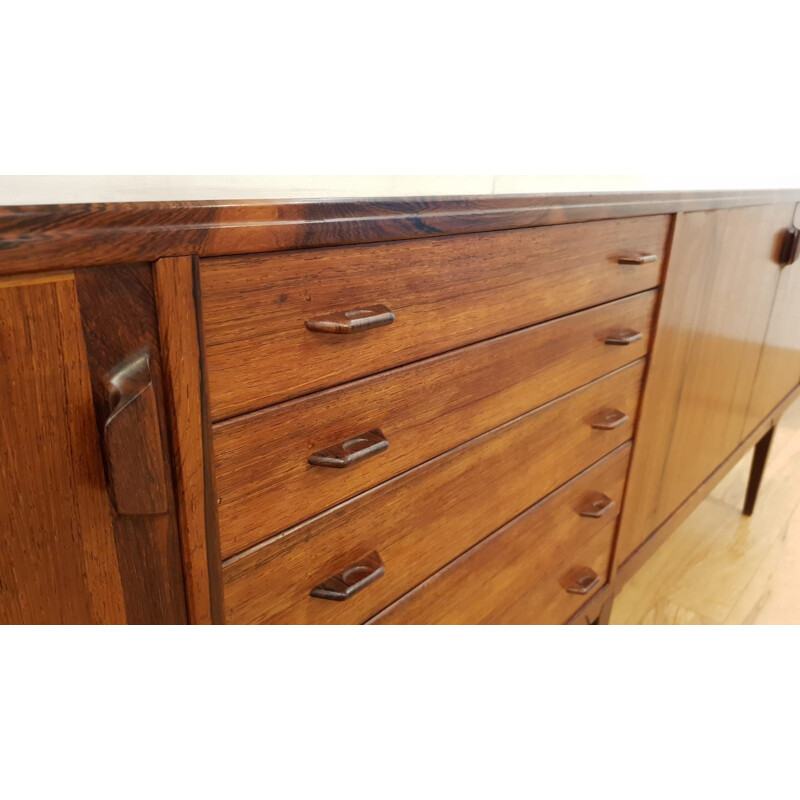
[(779, 366), (720, 567), (58, 559), (721, 282), (82, 235), (517, 574), (422, 410), (445, 293), (119, 320), (180, 347), (428, 516)]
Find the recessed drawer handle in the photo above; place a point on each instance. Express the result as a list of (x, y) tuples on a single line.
[(624, 337), (598, 505), (582, 581), (648, 259), (351, 580), (352, 451), (608, 420), (359, 319)]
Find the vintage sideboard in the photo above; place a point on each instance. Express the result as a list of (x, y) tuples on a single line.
[(453, 410)]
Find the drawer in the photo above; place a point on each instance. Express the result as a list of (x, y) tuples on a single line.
[(529, 571), (443, 292), (424, 518), (421, 410)]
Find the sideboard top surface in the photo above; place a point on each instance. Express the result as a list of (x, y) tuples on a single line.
[(46, 237)]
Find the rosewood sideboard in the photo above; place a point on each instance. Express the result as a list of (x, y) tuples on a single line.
[(455, 410)]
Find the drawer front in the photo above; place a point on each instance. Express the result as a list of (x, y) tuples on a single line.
[(423, 519), (422, 410), (524, 572), (443, 292)]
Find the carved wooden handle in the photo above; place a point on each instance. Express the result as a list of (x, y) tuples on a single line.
[(623, 337), (790, 247), (360, 319), (598, 505), (132, 440), (648, 259), (608, 420), (582, 580), (351, 580), (352, 451)]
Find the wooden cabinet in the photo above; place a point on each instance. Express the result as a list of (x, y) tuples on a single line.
[(411, 411), (74, 387), (779, 366), (702, 386)]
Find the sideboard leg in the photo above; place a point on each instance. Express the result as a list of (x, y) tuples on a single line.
[(605, 612), (760, 454)]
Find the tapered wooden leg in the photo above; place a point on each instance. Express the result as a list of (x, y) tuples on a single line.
[(760, 454), (605, 612)]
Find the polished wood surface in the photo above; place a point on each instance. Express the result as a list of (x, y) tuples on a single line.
[(133, 448), (717, 299), (119, 320), (58, 559), (779, 366), (622, 572), (423, 519), (422, 410), (38, 237), (180, 348), (445, 293), (521, 573), (720, 567)]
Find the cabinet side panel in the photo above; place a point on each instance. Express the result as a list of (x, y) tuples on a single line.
[(58, 561)]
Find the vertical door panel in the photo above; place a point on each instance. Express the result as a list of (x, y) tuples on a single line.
[(717, 299), (779, 367)]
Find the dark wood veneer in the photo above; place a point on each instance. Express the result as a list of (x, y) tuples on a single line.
[(34, 238)]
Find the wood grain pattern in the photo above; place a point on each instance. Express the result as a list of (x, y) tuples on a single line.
[(137, 476), (85, 235), (720, 567), (58, 559), (516, 575), (423, 410), (118, 317), (717, 297), (180, 348), (423, 519), (445, 292), (625, 570), (779, 365)]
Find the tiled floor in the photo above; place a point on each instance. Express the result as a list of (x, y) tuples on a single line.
[(721, 567)]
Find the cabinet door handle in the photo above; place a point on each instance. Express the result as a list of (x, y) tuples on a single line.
[(351, 580), (790, 248), (359, 319), (582, 580), (351, 451), (132, 440), (648, 259), (596, 506), (608, 420), (624, 337)]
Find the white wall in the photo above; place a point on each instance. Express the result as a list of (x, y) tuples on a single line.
[(32, 189)]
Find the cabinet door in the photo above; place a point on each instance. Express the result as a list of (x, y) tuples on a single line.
[(66, 554), (779, 368), (717, 298)]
